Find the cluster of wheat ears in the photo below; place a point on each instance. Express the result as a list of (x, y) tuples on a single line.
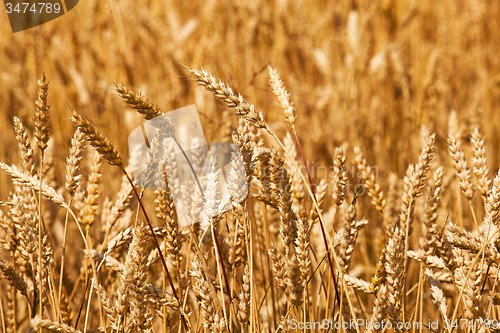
[(275, 256)]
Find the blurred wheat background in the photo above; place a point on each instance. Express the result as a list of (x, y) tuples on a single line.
[(379, 75)]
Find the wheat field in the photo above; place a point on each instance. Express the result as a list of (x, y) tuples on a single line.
[(368, 133)]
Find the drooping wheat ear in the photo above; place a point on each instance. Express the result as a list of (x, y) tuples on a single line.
[(446, 252), (282, 95), (73, 162), (158, 298), (91, 204), (98, 140), (243, 313), (368, 175), (138, 102), (358, 284), (464, 239), (430, 229), (479, 166), (25, 146), (162, 123), (379, 309), (109, 261), (225, 93), (302, 248), (437, 294), (133, 277), (52, 326), (349, 234), (279, 268), (41, 114), (16, 279), (339, 176), (463, 171), (33, 183)]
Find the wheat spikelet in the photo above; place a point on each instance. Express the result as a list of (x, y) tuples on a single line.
[(302, 248), (295, 285), (244, 304), (463, 172), (226, 94), (394, 266), (132, 278), (349, 234), (158, 298), (138, 102), (358, 284), (66, 313), (237, 177), (52, 326), (25, 146), (280, 184), (41, 114), (107, 305), (165, 211), (437, 294), (296, 189), (379, 310), (429, 221), (202, 293), (98, 140), (340, 176), (282, 95), (280, 271), (73, 163), (243, 137), (91, 204), (493, 202), (479, 166), (16, 280), (370, 182), (237, 244), (33, 183)]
